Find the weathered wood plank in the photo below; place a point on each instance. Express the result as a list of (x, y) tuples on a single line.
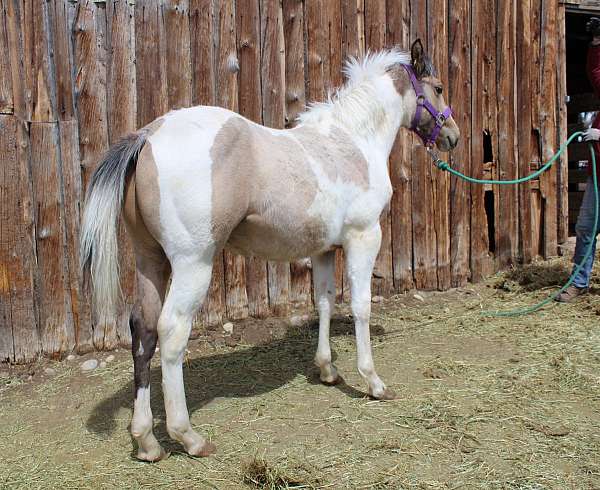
[(273, 89), (73, 197), (561, 116), (15, 15), (353, 28), (19, 336), (6, 89), (483, 80), (459, 34), (374, 24), (536, 144), (524, 79), (317, 46), (507, 219), (458, 238), (295, 95), (63, 60), (39, 66), (121, 78), (398, 25), (89, 82), (179, 65), (295, 100), (202, 31), (424, 240), (151, 63), (53, 292), (549, 180)]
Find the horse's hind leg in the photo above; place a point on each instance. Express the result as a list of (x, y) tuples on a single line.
[(191, 279), (324, 284), (152, 274)]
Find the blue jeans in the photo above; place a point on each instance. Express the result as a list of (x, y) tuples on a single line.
[(585, 234)]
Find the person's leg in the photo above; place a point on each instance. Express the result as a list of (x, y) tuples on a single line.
[(585, 235)]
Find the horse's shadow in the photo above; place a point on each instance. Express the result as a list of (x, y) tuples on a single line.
[(240, 373)]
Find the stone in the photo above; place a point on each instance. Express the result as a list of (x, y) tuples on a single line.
[(103, 365), (71, 357), (419, 297), (110, 358), (377, 299), (49, 371), (228, 327), (89, 365), (296, 321)]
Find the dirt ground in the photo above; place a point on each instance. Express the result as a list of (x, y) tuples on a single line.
[(483, 402)]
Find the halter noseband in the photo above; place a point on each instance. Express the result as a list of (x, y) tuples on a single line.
[(439, 117)]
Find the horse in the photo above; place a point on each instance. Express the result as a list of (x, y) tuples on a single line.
[(200, 179)]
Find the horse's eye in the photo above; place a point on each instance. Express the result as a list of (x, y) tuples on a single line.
[(439, 90)]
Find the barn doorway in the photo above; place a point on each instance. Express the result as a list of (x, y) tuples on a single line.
[(581, 102)]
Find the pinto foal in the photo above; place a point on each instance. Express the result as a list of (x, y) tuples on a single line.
[(200, 179)]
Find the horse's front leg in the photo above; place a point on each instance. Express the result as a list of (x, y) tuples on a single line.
[(361, 248), (324, 286), (189, 286)]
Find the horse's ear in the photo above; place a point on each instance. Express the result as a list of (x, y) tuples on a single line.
[(417, 54)]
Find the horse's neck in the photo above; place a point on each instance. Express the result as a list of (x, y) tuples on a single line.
[(390, 106)]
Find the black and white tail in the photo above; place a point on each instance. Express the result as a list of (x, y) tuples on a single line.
[(98, 245)]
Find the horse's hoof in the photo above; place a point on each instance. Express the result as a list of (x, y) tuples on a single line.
[(387, 394), (152, 457), (335, 381), (204, 450)]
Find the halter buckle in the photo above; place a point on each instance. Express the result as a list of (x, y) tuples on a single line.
[(440, 120)]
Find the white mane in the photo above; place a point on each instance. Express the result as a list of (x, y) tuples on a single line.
[(355, 104)]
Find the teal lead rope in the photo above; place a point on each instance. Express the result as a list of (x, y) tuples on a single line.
[(442, 165)]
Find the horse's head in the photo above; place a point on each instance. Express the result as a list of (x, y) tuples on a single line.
[(428, 114)]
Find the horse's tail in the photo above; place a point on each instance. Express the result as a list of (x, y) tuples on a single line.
[(98, 245)]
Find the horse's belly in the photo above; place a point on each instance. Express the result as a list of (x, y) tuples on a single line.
[(280, 241)]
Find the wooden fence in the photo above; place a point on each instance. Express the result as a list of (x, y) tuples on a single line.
[(76, 75)]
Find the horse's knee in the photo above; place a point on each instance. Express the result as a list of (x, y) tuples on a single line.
[(325, 306), (174, 334), (361, 309)]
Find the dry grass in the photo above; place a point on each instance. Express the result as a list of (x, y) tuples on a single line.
[(506, 403)]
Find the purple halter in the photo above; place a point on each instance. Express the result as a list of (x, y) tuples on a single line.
[(439, 117)]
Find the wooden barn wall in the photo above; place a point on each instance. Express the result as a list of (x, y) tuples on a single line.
[(75, 75)]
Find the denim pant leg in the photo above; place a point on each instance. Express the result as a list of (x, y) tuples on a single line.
[(585, 235)]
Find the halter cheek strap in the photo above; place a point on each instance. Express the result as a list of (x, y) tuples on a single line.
[(422, 101)]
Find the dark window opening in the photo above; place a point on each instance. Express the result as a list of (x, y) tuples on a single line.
[(582, 101), (488, 152), (489, 211)]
